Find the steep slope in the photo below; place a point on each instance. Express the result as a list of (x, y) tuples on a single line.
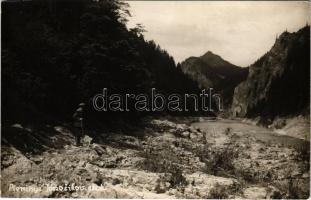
[(278, 83), (210, 70), (80, 54)]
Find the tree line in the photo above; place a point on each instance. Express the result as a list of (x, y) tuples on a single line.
[(58, 53)]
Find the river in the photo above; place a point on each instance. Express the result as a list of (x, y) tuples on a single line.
[(247, 129)]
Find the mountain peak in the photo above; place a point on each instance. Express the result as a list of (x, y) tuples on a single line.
[(210, 53), (210, 70), (214, 60)]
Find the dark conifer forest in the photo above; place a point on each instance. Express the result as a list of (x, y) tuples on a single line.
[(56, 54)]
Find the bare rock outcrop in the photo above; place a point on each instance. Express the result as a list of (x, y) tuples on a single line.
[(277, 83)]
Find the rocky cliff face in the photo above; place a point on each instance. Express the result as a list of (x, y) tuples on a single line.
[(211, 71), (277, 83)]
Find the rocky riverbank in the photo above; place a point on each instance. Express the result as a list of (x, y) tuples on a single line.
[(164, 159)]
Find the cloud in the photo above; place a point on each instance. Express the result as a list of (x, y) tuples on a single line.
[(239, 31)]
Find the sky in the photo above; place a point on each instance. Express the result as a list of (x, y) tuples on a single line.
[(238, 31)]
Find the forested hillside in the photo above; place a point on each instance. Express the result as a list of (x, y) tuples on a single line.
[(56, 54), (210, 70), (278, 82)]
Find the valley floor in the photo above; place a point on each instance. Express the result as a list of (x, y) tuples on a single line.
[(164, 159)]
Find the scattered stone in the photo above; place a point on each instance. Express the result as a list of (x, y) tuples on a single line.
[(37, 159), (186, 134), (99, 150), (120, 173), (19, 126), (86, 140), (306, 175), (255, 193)]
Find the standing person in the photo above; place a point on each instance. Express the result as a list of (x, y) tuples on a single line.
[(78, 123)]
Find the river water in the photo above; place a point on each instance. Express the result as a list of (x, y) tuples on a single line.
[(246, 129)]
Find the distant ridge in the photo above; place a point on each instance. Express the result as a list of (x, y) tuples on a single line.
[(210, 70)]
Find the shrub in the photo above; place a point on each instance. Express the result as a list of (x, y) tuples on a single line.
[(177, 179), (303, 152), (289, 189), (228, 131), (218, 192), (221, 161), (167, 162)]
